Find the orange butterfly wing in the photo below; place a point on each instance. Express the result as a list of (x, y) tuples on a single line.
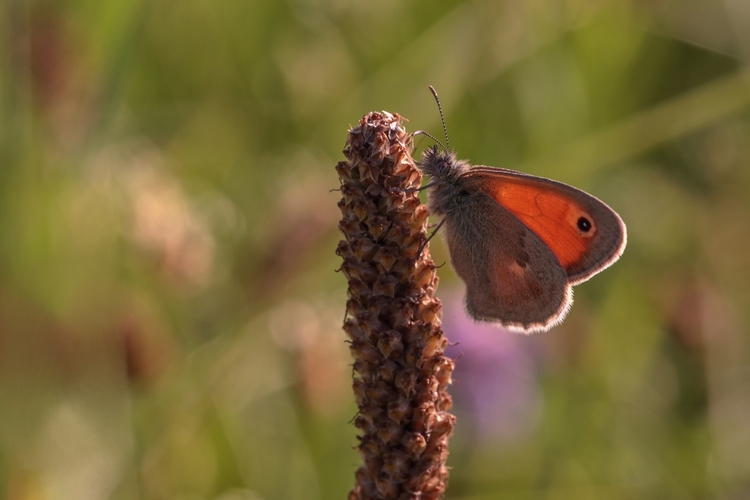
[(585, 235)]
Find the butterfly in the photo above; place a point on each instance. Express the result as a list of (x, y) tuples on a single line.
[(519, 242)]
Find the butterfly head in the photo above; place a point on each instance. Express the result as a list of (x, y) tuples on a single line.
[(442, 165)]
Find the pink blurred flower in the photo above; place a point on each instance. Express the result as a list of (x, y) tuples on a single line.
[(495, 381)]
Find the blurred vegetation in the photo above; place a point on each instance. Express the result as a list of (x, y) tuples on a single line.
[(169, 311)]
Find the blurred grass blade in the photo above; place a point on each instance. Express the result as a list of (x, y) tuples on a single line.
[(666, 121)]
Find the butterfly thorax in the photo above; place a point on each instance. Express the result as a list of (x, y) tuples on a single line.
[(445, 172)]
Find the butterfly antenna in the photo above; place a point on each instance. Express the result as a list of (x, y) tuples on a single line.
[(442, 117), (423, 132)]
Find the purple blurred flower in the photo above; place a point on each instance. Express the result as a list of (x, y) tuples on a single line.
[(495, 379)]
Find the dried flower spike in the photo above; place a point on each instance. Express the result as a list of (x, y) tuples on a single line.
[(392, 318)]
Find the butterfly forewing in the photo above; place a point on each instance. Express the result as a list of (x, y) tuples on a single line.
[(585, 235)]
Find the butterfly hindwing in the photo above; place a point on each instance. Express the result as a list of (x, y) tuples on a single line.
[(511, 276)]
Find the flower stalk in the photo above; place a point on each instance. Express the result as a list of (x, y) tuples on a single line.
[(392, 318)]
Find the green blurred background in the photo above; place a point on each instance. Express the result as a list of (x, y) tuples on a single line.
[(170, 318)]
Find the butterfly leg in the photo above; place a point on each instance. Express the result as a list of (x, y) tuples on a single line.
[(424, 244)]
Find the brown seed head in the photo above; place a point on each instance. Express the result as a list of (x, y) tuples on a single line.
[(392, 318)]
